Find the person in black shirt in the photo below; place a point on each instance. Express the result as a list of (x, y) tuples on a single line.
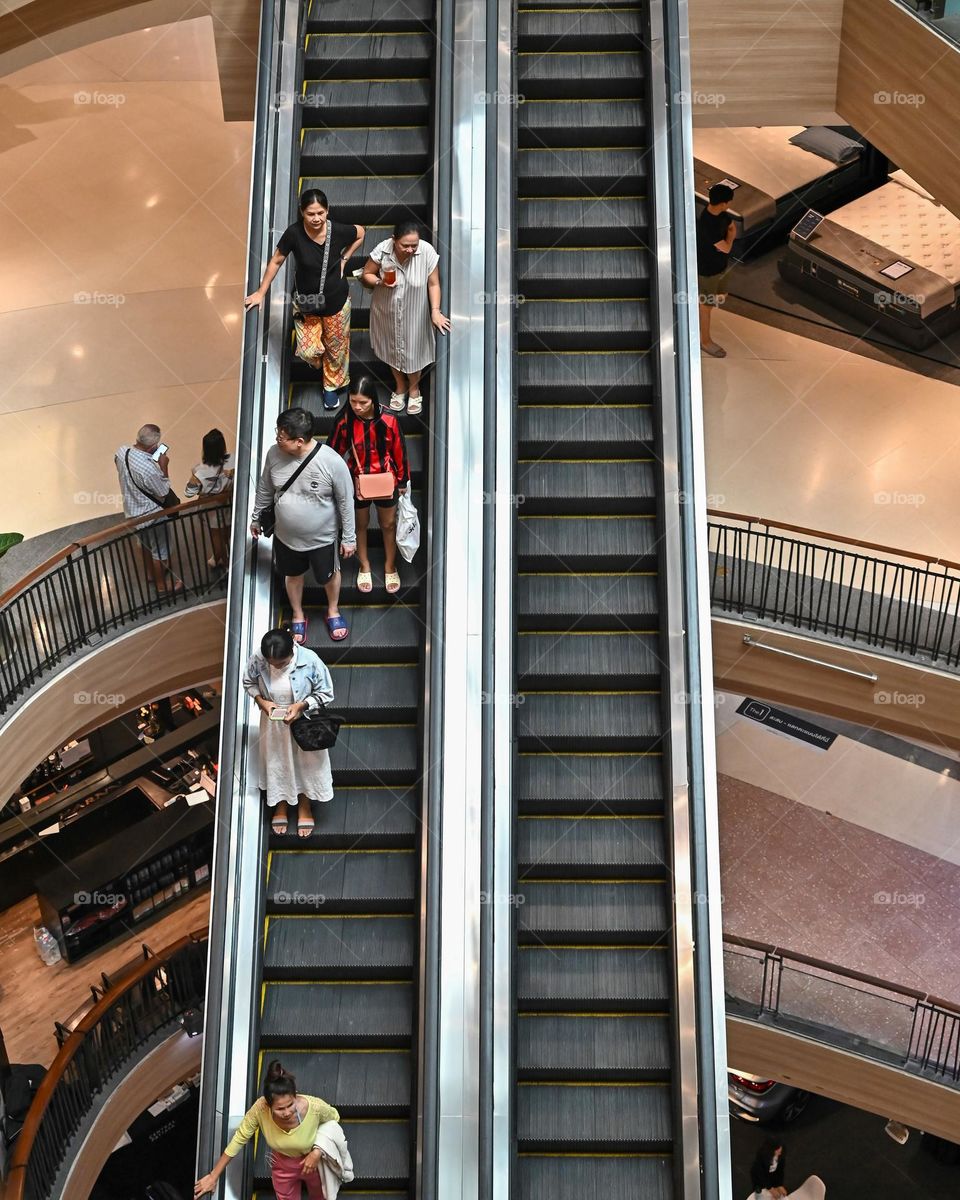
[(715, 234), (322, 307)]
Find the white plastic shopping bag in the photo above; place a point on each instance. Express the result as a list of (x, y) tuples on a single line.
[(408, 527)]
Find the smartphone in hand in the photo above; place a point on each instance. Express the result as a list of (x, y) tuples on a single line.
[(160, 452), (278, 714)]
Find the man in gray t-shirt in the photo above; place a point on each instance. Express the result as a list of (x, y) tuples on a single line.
[(312, 515)]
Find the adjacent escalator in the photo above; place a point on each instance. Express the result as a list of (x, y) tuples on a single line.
[(339, 996), (594, 1036)]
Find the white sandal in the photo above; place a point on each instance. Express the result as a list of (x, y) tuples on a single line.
[(414, 405), (398, 401)]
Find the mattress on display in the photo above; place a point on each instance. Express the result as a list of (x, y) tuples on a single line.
[(762, 163), (891, 257)]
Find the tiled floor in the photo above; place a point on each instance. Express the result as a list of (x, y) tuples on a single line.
[(123, 217)]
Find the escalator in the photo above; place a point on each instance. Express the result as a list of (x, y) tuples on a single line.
[(339, 1001), (593, 994)]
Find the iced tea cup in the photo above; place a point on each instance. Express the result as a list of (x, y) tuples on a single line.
[(390, 276)]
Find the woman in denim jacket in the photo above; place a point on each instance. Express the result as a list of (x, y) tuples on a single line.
[(286, 680)]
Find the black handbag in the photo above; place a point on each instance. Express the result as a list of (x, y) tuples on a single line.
[(170, 500), (267, 520), (316, 732), (315, 304)]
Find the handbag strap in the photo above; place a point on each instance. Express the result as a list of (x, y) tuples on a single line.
[(142, 491), (326, 261), (293, 478)]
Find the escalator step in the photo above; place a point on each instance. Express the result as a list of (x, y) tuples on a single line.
[(615, 172), (546, 660), (382, 755), (607, 272), (587, 601), (350, 102), (577, 122), (383, 56), (597, 845), (385, 199), (358, 817), (620, 1177), (613, 1117), (367, 15), (379, 692), (380, 1150), (345, 947), (582, 32), (622, 324), (616, 377), (325, 1015), (600, 978), (361, 1083), (603, 912), (595, 783), (570, 75), (335, 881), (555, 431), (552, 487), (588, 1047), (387, 151), (576, 221), (595, 721), (379, 633), (411, 582), (587, 543)]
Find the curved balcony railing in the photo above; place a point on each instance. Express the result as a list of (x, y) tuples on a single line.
[(99, 586), (872, 1017), (832, 587), (106, 1041)]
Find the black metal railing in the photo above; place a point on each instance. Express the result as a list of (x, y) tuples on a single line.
[(103, 584), (872, 1017), (895, 601), (105, 1043)]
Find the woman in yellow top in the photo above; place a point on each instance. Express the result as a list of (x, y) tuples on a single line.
[(288, 1122)]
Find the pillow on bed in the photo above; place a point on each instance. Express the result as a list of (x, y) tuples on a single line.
[(906, 181), (834, 147)]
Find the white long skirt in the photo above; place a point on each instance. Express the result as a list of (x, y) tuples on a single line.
[(286, 771)]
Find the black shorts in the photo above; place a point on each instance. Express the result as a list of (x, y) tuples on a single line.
[(323, 561), (386, 502)]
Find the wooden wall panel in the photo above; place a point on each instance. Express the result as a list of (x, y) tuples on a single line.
[(898, 83), (814, 1067), (40, 29), (764, 62), (165, 656), (884, 704)]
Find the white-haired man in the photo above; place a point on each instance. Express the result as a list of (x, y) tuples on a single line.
[(144, 483)]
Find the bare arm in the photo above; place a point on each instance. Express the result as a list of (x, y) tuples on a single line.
[(370, 277), (438, 320), (727, 244), (208, 1183), (255, 299), (352, 248)]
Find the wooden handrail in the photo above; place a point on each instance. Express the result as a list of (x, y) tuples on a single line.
[(843, 972), (104, 535), (68, 1051), (832, 537)]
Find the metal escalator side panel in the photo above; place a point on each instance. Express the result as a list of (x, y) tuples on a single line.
[(691, 768)]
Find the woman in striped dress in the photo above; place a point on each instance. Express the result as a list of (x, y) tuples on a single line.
[(404, 275)]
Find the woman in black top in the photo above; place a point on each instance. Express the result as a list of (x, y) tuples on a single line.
[(321, 304), (767, 1170)]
